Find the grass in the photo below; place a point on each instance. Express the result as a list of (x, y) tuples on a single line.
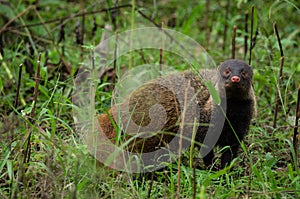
[(43, 155)]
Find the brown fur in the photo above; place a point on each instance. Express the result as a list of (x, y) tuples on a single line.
[(141, 100)]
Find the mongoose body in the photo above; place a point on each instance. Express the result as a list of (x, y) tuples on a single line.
[(232, 80)]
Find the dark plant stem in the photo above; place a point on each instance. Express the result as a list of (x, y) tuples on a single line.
[(77, 33), (251, 34), (36, 87), (160, 59), (115, 51), (32, 113), (254, 38), (246, 36), (233, 42), (82, 30), (114, 14), (295, 137), (1, 46), (95, 26), (226, 25), (279, 76), (61, 36), (12, 135), (82, 23), (207, 5), (18, 86)]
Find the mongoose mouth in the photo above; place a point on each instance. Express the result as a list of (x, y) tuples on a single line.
[(233, 85), (234, 88)]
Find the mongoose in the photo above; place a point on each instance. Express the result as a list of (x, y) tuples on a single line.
[(233, 81)]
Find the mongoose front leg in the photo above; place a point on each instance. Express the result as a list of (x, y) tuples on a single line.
[(228, 155), (208, 159)]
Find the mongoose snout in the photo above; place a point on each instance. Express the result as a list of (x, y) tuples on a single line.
[(235, 79)]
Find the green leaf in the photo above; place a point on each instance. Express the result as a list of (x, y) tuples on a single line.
[(213, 92), (5, 10)]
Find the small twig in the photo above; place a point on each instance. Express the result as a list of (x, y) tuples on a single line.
[(18, 86), (295, 137), (279, 76), (233, 42), (246, 36), (226, 25), (251, 34)]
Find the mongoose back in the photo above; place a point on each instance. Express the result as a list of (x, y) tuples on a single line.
[(234, 77)]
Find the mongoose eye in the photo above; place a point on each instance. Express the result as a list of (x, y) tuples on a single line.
[(226, 72), (244, 74)]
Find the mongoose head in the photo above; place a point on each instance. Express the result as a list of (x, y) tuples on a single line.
[(236, 77)]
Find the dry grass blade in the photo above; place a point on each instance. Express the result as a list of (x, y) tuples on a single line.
[(180, 140)]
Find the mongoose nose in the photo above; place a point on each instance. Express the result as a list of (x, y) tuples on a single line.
[(235, 79)]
